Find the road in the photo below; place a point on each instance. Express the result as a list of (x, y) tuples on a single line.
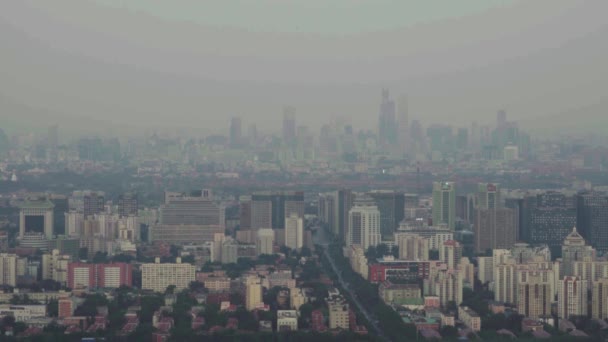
[(322, 240)]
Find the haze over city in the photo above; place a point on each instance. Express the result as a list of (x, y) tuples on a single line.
[(119, 67)]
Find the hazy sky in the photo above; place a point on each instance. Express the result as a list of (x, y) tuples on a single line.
[(113, 65)]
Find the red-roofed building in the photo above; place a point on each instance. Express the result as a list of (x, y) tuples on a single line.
[(233, 323), (160, 337), (318, 321), (380, 271)]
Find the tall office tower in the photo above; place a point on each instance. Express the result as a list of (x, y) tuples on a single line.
[(444, 204), (364, 224), (60, 203), (8, 269), (495, 225), (592, 218), (343, 202), (599, 302), (93, 203), (392, 210), (186, 210), (448, 286), (412, 247), (235, 132), (574, 249), (450, 253), (157, 277), (245, 212), (441, 138), (270, 208), (265, 241), (547, 219), (387, 123), (36, 216), (571, 297), (488, 196), (535, 293), (128, 204), (294, 231), (289, 126), (253, 295), (404, 129)]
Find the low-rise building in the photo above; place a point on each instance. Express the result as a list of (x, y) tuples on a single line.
[(469, 318), (395, 293), (287, 320)]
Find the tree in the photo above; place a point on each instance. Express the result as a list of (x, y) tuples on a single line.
[(382, 250), (395, 251), (100, 258), (53, 308), (170, 289), (449, 332), (83, 253), (371, 253), (305, 252)]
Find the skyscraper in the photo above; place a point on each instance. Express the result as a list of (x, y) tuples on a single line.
[(128, 204), (450, 253), (404, 133), (444, 204), (412, 247), (265, 241), (364, 224), (253, 295), (592, 219), (289, 126), (599, 304), (392, 210), (387, 124), (495, 225), (235, 132), (535, 293), (270, 208)]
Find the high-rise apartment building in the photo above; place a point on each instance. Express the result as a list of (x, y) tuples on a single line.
[(572, 297), (265, 241), (412, 247), (535, 293), (599, 302), (444, 204), (574, 249), (448, 286), (8, 269), (450, 253), (181, 234), (392, 210), (55, 266), (294, 231), (244, 212), (253, 293), (157, 276), (364, 224), (93, 276)]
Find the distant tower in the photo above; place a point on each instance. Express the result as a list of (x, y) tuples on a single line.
[(289, 125), (387, 123), (403, 124), (235, 131), (501, 118), (444, 204)]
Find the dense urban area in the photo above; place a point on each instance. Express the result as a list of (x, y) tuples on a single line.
[(477, 232)]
